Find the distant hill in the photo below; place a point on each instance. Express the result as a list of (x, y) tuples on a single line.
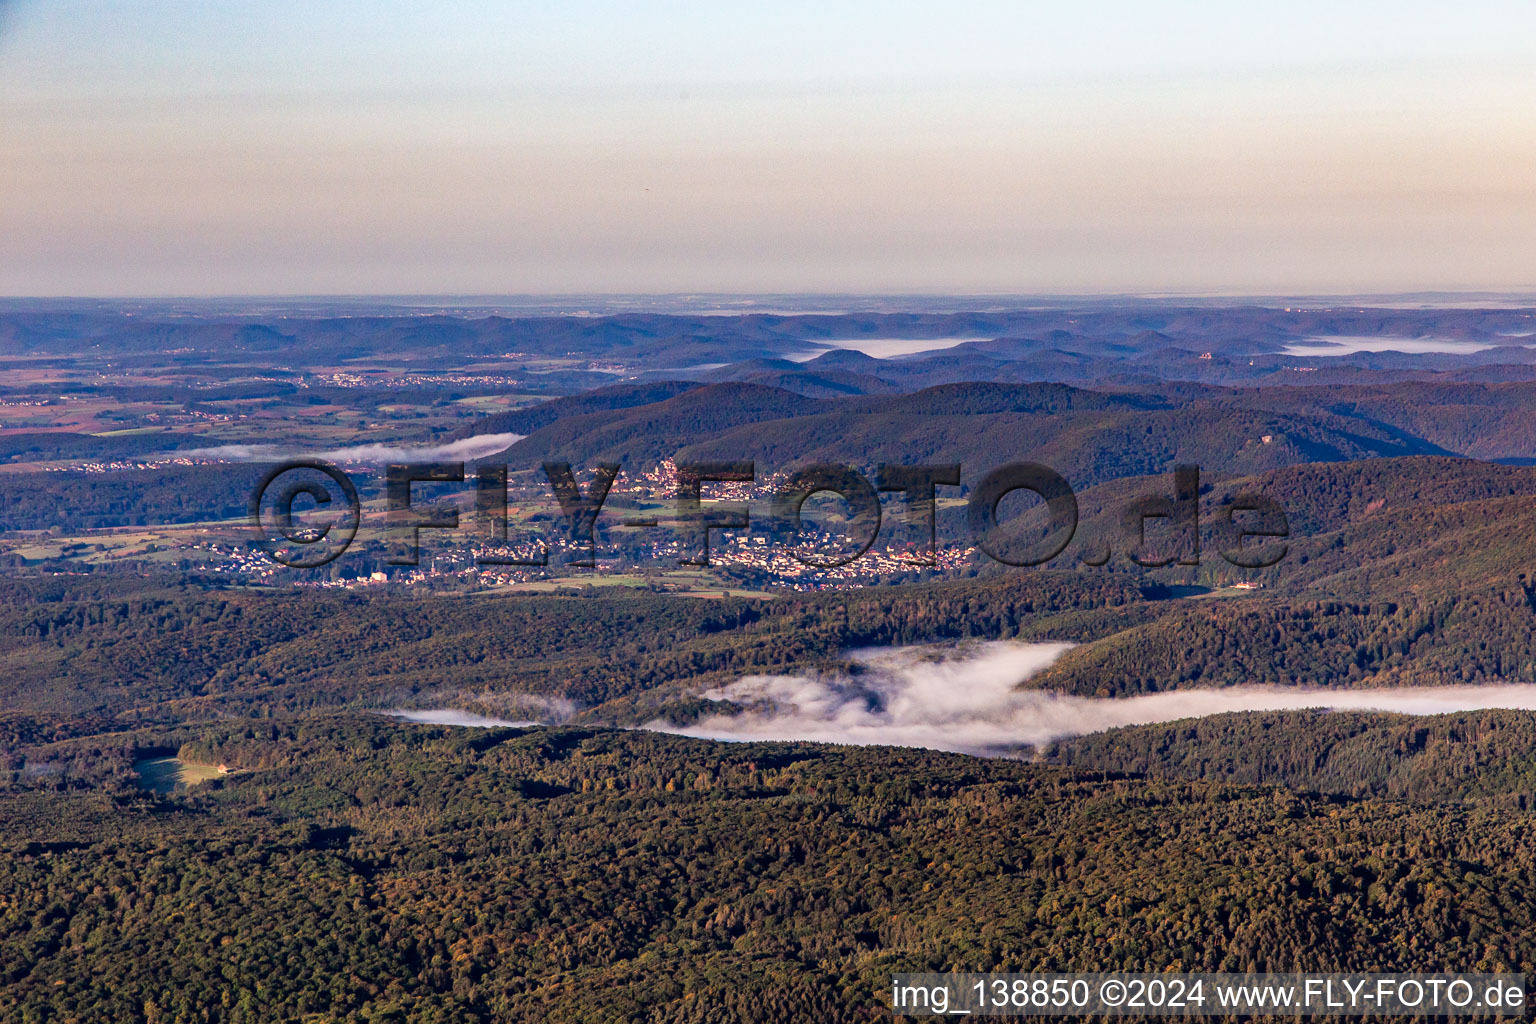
[(1087, 436), (1485, 421), (649, 433), (1247, 342), (533, 418), (1399, 572)]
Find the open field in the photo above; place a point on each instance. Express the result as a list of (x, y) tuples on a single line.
[(164, 774)]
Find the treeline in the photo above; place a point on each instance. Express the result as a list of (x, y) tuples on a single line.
[(1479, 638), (1484, 756), (66, 445), (129, 497)]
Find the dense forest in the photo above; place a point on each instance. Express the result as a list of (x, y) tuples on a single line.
[(358, 870), (181, 651), (127, 497), (1485, 757)]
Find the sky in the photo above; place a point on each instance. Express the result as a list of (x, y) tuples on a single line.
[(159, 148)]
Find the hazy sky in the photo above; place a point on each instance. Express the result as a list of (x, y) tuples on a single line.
[(151, 147)]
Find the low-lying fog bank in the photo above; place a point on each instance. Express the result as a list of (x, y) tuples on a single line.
[(964, 699)]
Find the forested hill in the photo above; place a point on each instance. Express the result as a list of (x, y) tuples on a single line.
[(1088, 436), (533, 418), (1482, 420), (1217, 426), (1486, 757), (646, 434)]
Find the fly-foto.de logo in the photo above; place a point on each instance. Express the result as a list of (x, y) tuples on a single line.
[(1250, 529)]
